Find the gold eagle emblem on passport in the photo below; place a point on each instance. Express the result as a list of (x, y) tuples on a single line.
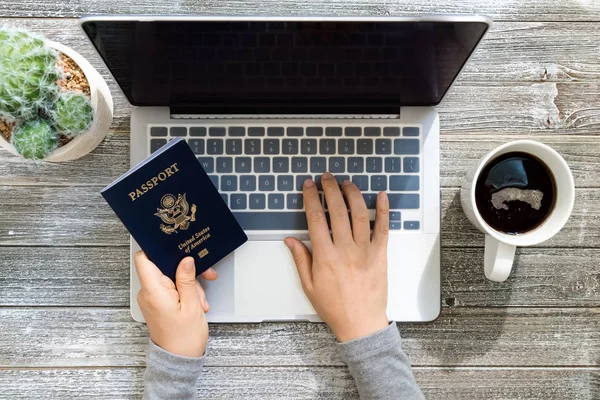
[(174, 213)]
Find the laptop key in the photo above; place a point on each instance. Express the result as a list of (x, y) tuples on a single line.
[(406, 146), (404, 183), (403, 201), (295, 131), (341, 178), (395, 225), (198, 131), (299, 164), (178, 131), (364, 146), (225, 198), (353, 131), (262, 164), (411, 164), (229, 183), (289, 146), (410, 131), (208, 164), (327, 146), (295, 202), (252, 146), (333, 131), (237, 131), (276, 201), (308, 146), (271, 146), (285, 183), (392, 164), (411, 225), (224, 164), (275, 131), (319, 183), (216, 131), (372, 131), (383, 146), (318, 164), (197, 145), (395, 216), (214, 146), (346, 146), (374, 164), (247, 183), (391, 131), (243, 164), (215, 180), (361, 181), (238, 201), (257, 201), (158, 131), (378, 182), (233, 146), (314, 131), (281, 164), (337, 164), (156, 144), (256, 131), (276, 220), (370, 200), (266, 183), (300, 181)]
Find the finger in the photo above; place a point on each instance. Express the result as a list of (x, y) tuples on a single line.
[(315, 216), (382, 222), (148, 273), (338, 211), (303, 260), (359, 213), (202, 295), (210, 274), (185, 281)]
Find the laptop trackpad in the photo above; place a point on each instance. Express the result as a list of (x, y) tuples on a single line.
[(267, 283)]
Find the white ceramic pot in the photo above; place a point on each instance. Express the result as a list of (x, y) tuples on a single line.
[(102, 104)]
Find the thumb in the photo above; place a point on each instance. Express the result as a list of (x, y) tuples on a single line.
[(303, 260), (185, 281)]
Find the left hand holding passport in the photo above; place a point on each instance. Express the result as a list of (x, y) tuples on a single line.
[(174, 312)]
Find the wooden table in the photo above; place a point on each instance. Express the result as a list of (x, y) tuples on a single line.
[(65, 329)]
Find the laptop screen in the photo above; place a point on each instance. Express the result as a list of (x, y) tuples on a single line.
[(292, 65)]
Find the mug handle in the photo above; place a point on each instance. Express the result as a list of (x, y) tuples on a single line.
[(499, 257)]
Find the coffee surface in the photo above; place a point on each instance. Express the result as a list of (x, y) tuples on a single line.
[(515, 193)]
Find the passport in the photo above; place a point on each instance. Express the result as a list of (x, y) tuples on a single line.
[(172, 209)]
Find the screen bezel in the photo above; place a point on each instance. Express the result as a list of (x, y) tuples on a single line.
[(391, 107)]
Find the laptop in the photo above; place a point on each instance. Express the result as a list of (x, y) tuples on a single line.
[(267, 102)]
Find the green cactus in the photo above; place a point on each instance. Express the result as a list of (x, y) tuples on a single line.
[(34, 139), (28, 74), (71, 114)]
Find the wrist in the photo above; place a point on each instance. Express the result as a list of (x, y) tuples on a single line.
[(361, 329)]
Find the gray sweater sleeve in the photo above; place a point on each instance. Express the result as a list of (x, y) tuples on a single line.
[(169, 376), (380, 368)]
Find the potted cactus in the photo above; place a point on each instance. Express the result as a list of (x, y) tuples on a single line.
[(54, 105)]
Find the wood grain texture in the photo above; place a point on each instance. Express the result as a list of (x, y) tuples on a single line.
[(78, 216), (522, 80), (99, 276), (548, 10), (459, 153), (304, 383), (89, 337)]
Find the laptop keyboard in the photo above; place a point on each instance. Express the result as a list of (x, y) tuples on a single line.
[(259, 170)]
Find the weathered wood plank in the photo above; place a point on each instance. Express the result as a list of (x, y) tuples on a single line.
[(78, 216), (494, 94), (458, 154), (99, 276), (73, 276), (78, 337), (304, 383), (549, 10)]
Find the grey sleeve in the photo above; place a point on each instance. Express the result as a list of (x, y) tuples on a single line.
[(380, 368), (169, 376)]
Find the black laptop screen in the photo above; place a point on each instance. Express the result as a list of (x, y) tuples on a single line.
[(301, 64)]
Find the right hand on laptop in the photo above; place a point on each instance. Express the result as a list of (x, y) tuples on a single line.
[(174, 312), (345, 277)]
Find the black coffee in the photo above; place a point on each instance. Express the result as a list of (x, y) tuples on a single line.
[(515, 193)]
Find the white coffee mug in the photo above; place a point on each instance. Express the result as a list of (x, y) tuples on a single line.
[(500, 247)]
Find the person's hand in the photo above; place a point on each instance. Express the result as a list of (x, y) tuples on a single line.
[(345, 279), (174, 312)]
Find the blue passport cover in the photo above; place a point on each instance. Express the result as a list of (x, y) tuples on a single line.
[(172, 210)]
